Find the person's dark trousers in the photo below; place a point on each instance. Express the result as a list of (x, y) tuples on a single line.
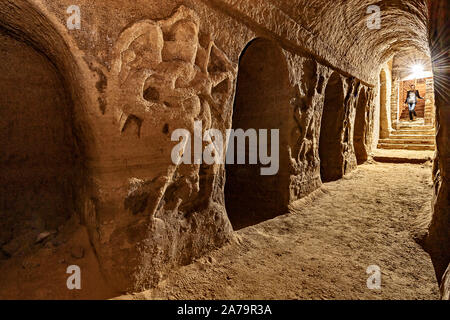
[(412, 111)]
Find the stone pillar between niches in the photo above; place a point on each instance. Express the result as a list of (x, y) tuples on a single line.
[(429, 102)]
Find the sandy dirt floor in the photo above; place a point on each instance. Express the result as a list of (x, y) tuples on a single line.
[(322, 248)]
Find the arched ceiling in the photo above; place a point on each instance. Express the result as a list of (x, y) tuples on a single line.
[(343, 25), (333, 30)]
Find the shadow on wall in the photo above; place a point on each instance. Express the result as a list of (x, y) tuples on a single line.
[(262, 102), (438, 241), (361, 127), (384, 116), (41, 180), (44, 177), (331, 131), (39, 158)]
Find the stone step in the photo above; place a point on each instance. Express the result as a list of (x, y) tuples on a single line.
[(415, 127), (408, 123), (402, 156), (414, 131), (406, 146), (412, 137), (409, 141)]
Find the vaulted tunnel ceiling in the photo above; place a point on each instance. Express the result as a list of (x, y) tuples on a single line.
[(342, 25), (338, 28)]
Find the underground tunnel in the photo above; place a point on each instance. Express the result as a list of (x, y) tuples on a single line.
[(88, 181)]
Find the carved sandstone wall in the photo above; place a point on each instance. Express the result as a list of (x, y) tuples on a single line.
[(438, 242), (137, 71)]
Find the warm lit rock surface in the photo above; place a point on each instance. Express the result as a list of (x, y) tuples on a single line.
[(445, 285), (321, 250), (137, 70), (438, 243)]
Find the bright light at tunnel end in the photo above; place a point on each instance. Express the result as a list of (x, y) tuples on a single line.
[(417, 69), (418, 72)]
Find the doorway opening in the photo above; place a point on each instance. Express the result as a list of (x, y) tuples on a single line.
[(361, 126), (384, 113), (405, 125), (262, 102), (40, 162), (331, 131)]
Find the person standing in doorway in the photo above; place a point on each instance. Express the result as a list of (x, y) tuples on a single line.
[(412, 97)]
